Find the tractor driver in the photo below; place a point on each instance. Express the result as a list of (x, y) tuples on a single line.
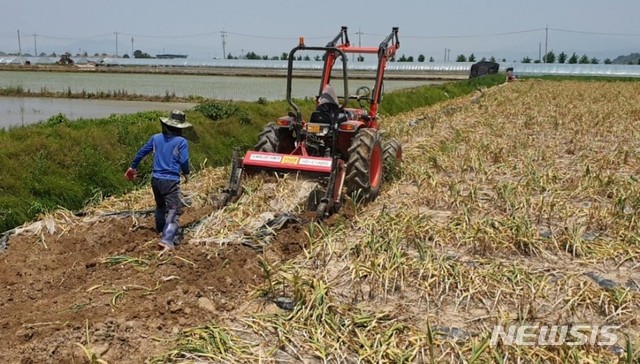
[(328, 102)]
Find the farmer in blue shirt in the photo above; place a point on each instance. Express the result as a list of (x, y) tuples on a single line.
[(170, 157)]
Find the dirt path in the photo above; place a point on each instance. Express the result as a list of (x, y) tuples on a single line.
[(108, 277)]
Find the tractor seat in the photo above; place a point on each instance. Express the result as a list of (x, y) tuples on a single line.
[(320, 117)]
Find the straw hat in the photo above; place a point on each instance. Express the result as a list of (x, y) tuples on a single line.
[(176, 119)]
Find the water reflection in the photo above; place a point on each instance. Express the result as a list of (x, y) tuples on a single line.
[(20, 111)]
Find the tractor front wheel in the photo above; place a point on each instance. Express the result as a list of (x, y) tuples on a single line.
[(273, 139), (365, 165)]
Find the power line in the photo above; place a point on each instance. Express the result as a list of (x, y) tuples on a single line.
[(405, 36), (596, 33), (275, 38), (469, 36), (170, 36), (75, 38)]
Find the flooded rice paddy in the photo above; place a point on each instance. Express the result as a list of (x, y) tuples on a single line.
[(21, 111), (17, 111)]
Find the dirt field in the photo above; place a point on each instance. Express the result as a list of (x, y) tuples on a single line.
[(50, 291), (517, 204)]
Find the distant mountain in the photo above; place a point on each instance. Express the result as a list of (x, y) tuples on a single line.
[(633, 58)]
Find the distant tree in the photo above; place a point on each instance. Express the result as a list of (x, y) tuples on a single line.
[(284, 56), (53, 54), (550, 57), (594, 60), (526, 60), (265, 57), (96, 54), (607, 61), (431, 59), (472, 58), (573, 59), (360, 58), (537, 61), (252, 55), (504, 60), (461, 58), (584, 59), (139, 54), (404, 58), (492, 59), (230, 56), (42, 54), (421, 58), (483, 59), (307, 58), (275, 58), (639, 61), (562, 57), (126, 56)]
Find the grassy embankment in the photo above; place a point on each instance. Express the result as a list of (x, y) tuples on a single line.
[(68, 163)]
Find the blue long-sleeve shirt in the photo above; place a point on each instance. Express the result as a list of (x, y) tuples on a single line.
[(170, 156)]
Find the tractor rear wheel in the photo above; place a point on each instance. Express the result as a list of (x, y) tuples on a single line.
[(392, 157), (273, 139), (364, 168)]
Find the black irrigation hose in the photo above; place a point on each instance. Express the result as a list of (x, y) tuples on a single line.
[(260, 237), (610, 284), (4, 238)]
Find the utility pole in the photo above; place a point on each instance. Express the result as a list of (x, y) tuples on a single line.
[(116, 33), (35, 45), (131, 47), (539, 52), (19, 46), (223, 34), (546, 41), (445, 55), (359, 33)]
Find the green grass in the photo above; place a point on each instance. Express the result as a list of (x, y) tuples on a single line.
[(62, 163)]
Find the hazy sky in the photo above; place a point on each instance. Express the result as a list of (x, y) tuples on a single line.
[(504, 29)]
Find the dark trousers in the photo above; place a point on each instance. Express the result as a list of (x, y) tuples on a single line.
[(168, 206)]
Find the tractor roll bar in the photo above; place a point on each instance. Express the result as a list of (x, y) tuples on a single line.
[(342, 36), (337, 51)]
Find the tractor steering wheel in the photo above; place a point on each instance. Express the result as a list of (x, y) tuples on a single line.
[(363, 92)]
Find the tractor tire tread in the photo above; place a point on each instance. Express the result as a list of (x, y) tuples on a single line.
[(358, 166)]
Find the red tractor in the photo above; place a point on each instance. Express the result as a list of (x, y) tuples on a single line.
[(341, 144)]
